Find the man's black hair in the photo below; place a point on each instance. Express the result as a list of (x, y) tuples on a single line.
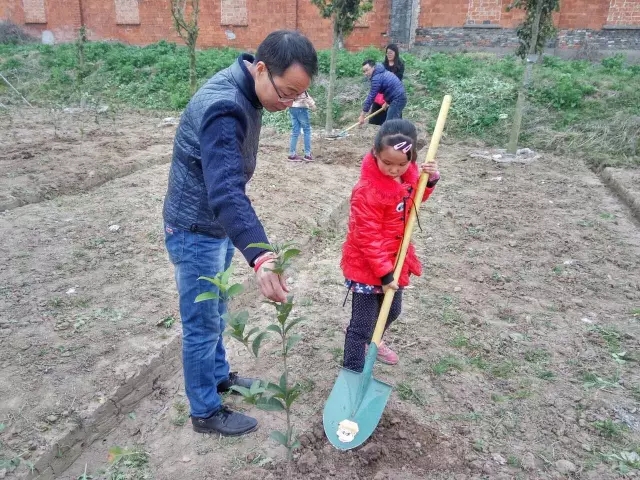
[(283, 48), (369, 62)]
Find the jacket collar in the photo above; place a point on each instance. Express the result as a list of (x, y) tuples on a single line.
[(244, 80), (379, 180)]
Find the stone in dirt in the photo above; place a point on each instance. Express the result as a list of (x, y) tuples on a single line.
[(528, 461), (499, 459), (565, 467), (307, 462)]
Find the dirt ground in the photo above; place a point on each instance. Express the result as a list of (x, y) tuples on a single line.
[(519, 346)]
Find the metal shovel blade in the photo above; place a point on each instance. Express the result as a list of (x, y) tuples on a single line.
[(354, 407)]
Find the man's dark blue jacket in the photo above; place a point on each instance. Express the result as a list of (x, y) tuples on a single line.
[(386, 82), (214, 156)]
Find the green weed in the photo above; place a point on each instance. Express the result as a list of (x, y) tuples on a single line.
[(408, 393), (447, 364), (609, 429)]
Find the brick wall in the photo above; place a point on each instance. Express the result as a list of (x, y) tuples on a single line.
[(624, 12), (484, 11), (244, 23)]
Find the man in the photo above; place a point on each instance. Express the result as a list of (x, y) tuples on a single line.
[(207, 212), (387, 83)]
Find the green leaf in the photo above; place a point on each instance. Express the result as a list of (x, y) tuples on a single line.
[(291, 342), (296, 444), (215, 280), (206, 296), (289, 254), (251, 332), (293, 323), (265, 246), (2, 427), (255, 346), (244, 391), (291, 396), (270, 404), (279, 437), (224, 278), (234, 290), (275, 328), (238, 318), (256, 387), (283, 382), (132, 415), (274, 387), (237, 337)]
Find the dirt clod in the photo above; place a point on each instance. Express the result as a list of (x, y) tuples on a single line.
[(528, 461), (307, 462), (565, 467)]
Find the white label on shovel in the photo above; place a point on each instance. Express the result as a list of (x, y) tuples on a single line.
[(347, 431)]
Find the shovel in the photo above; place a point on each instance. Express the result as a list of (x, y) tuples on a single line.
[(357, 400), (343, 133)]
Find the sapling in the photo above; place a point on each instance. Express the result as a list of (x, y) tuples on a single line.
[(268, 396)]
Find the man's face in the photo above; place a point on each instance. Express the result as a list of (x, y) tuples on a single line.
[(278, 92), (367, 70)]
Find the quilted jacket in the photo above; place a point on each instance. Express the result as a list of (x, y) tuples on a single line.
[(385, 82), (376, 225), (214, 156)]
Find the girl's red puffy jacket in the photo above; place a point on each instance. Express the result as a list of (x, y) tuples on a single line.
[(376, 225)]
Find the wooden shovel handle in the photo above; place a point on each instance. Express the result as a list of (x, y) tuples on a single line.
[(371, 115), (413, 215)]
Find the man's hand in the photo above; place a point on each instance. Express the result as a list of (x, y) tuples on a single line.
[(385, 106), (361, 119), (390, 286), (271, 285)]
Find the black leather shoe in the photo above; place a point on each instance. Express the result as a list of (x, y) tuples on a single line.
[(225, 422), (234, 379)]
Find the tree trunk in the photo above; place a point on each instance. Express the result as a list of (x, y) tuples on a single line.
[(512, 147), (332, 79), (192, 68)]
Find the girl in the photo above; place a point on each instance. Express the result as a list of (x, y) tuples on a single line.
[(380, 202), (299, 112), (394, 64)]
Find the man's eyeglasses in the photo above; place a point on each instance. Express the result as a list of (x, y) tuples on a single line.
[(281, 97)]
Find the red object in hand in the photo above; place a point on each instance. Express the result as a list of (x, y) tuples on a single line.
[(379, 99)]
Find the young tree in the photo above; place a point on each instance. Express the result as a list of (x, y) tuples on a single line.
[(534, 32), (188, 29), (344, 14)]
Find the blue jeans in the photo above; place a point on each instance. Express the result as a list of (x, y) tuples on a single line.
[(396, 107), (300, 119), (203, 355)]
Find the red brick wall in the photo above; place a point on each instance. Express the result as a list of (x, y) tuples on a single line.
[(624, 12), (591, 14), (263, 16), (481, 11), (436, 13)]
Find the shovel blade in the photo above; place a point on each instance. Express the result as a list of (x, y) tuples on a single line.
[(346, 424)]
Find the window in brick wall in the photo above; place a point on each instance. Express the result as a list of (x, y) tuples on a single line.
[(484, 11), (624, 13), (233, 12), (127, 12), (34, 11)]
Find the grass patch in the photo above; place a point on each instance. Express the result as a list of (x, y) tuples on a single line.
[(503, 370), (447, 364), (574, 107), (407, 392), (181, 416), (610, 429)]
